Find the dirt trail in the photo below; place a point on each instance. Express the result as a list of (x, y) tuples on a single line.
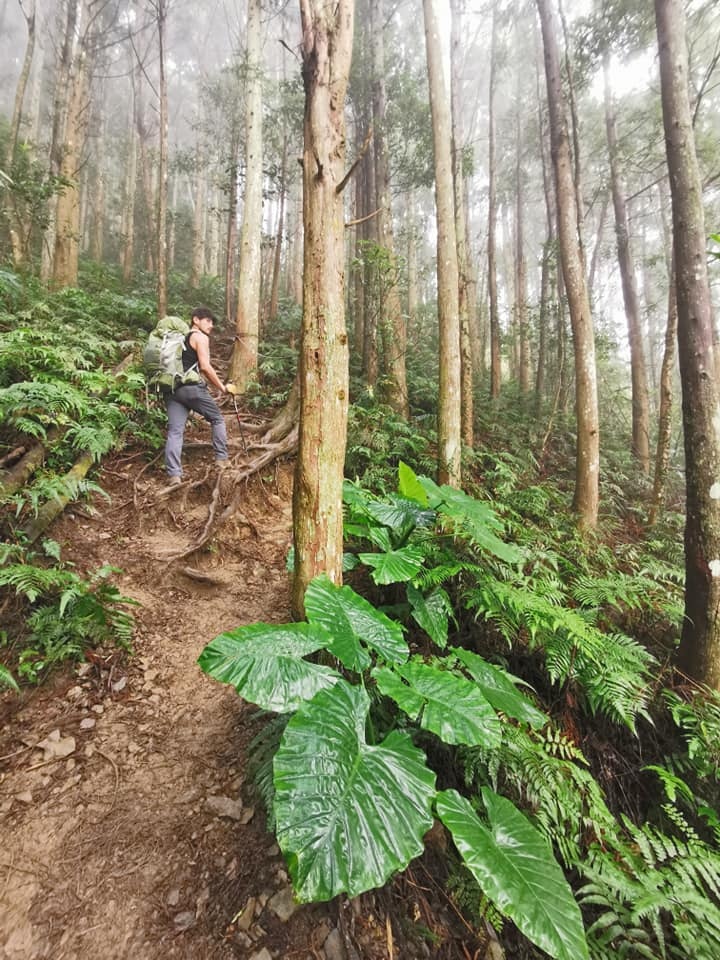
[(128, 834), (127, 825)]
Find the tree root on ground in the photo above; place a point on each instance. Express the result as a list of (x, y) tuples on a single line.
[(215, 519)]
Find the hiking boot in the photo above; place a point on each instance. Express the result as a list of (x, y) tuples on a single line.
[(174, 481)]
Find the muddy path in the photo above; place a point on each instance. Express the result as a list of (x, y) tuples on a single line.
[(128, 829)]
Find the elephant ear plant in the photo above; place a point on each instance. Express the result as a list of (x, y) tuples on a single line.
[(354, 794)]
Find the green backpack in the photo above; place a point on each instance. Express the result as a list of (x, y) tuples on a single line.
[(162, 356)]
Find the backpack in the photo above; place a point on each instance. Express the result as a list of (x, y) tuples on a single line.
[(162, 356)]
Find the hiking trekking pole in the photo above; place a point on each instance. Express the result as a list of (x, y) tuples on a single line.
[(232, 390)]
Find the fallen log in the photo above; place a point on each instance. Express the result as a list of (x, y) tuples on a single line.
[(53, 508), (17, 476)]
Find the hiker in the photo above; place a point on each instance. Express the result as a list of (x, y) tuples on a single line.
[(195, 396)]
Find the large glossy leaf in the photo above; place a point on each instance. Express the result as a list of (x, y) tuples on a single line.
[(264, 662), (409, 485), (515, 868), (476, 518), (349, 814), (444, 703), (400, 514), (431, 612), (348, 618), (395, 566), (499, 689)]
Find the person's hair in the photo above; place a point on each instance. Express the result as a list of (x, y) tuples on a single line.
[(202, 313)]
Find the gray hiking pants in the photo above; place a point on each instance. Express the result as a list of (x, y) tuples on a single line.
[(191, 396)]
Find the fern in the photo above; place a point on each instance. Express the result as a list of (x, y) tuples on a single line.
[(611, 670)]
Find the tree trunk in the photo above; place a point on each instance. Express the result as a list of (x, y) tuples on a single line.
[(29, 15), (495, 367), (244, 360), (162, 203), (67, 227), (61, 98), (327, 29), (198, 249), (466, 358), (662, 454), (449, 400), (394, 330), (521, 312), (699, 651), (279, 233), (231, 224), (586, 500), (638, 369)]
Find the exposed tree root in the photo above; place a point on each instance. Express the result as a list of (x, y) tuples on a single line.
[(215, 520)]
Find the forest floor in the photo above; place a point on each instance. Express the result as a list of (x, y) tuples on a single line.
[(127, 826)]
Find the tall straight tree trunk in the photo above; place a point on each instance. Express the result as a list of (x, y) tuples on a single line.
[(67, 225), (638, 369), (162, 202), (495, 368), (586, 500), (231, 233), (371, 358), (395, 333), (97, 238), (449, 400), (699, 651), (279, 233), (466, 357), (520, 262), (62, 93), (327, 30), (244, 361), (662, 453), (22, 83), (198, 248)]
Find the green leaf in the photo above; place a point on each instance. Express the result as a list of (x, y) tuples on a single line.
[(348, 618), (7, 679), (432, 612), (515, 868), (447, 705), (264, 662), (477, 519), (349, 814), (409, 485), (400, 514), (499, 689), (395, 566)]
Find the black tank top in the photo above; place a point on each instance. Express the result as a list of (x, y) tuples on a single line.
[(189, 356)]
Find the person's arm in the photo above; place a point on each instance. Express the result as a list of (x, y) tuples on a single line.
[(200, 344)]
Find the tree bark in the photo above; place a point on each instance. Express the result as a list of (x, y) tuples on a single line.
[(495, 361), (29, 15), (394, 329), (586, 500), (244, 360), (662, 454), (162, 202), (327, 29), (449, 399), (638, 369), (699, 651), (466, 355)]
